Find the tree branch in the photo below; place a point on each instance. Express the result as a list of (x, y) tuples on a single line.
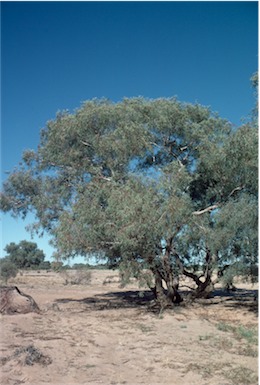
[(239, 188), (184, 271), (86, 144), (207, 209), (213, 207)]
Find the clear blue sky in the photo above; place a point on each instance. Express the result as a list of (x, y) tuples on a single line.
[(57, 54)]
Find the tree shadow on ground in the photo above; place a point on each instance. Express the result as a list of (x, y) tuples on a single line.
[(240, 298), (113, 300), (144, 299)]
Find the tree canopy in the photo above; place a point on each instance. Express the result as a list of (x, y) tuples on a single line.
[(156, 186)]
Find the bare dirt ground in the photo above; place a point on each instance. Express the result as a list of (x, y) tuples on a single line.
[(104, 334)]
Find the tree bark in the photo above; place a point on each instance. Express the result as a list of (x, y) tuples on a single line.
[(171, 279), (165, 273)]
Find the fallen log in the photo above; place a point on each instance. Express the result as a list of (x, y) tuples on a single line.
[(14, 301)]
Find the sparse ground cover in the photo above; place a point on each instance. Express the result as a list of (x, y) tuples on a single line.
[(100, 333)]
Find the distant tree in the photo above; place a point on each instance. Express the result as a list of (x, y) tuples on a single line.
[(79, 266), (7, 269), (24, 254), (155, 185)]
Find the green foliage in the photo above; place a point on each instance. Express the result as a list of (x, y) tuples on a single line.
[(7, 269), (148, 184), (25, 254)]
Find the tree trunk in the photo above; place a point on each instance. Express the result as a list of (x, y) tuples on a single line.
[(171, 280), (159, 290), (160, 295), (172, 290), (204, 288), (171, 295)]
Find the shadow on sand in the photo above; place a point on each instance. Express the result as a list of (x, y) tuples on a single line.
[(143, 299)]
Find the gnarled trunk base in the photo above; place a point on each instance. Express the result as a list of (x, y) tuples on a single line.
[(165, 298), (204, 290)]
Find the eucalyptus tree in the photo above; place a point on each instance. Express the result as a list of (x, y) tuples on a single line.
[(154, 185), (25, 254)]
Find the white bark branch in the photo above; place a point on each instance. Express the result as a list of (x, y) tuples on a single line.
[(86, 144), (206, 210), (239, 188)]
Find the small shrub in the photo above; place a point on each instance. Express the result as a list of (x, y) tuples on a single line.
[(224, 327), (7, 269), (76, 277), (249, 334)]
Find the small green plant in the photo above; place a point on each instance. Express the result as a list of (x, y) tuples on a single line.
[(249, 334), (224, 327)]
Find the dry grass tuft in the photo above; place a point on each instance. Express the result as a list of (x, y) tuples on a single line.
[(28, 355), (241, 375)]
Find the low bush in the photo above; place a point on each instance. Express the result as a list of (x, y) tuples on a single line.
[(76, 277)]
